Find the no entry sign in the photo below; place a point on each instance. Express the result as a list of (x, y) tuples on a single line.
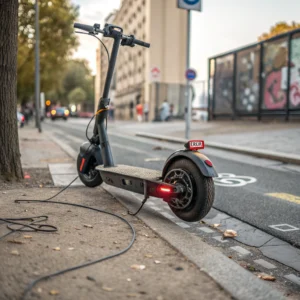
[(190, 74)]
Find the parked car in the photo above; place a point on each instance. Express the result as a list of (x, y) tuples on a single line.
[(21, 119), (60, 113)]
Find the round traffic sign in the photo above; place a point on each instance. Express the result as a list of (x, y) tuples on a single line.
[(191, 2), (190, 74)]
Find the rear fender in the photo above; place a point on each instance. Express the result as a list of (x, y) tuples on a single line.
[(87, 151), (196, 157)]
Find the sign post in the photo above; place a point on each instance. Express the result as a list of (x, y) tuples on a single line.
[(188, 5)]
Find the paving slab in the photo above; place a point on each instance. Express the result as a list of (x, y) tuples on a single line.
[(283, 253)]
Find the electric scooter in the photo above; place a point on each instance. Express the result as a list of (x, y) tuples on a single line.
[(186, 181)]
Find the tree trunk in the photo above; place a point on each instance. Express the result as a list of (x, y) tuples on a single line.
[(10, 163)]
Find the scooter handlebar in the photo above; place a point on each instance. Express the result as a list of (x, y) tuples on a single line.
[(141, 43), (84, 27)]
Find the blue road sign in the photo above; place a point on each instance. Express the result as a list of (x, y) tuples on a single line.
[(190, 74), (190, 4)]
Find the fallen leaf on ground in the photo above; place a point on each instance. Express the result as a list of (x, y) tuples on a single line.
[(40, 185), (88, 225), (3, 192), (157, 148), (202, 222), (56, 248), (54, 292), (129, 279), (15, 242), (90, 278), (27, 236), (108, 289), (215, 225), (229, 233), (266, 277), (115, 242), (15, 252), (138, 267), (157, 261), (148, 255), (71, 248)]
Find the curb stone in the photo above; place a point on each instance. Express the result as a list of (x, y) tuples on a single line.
[(279, 156)]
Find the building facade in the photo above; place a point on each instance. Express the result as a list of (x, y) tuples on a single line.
[(160, 23)]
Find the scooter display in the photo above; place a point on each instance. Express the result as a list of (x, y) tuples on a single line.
[(186, 181)]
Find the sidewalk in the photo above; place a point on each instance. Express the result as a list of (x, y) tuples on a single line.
[(276, 140), (151, 269)]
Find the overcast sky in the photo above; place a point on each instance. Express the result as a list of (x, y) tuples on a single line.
[(222, 26)]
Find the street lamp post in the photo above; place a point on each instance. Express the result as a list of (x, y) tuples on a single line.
[(37, 68)]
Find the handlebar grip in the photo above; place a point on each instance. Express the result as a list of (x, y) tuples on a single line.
[(84, 27), (141, 43)]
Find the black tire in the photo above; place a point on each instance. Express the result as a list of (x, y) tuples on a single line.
[(203, 192), (93, 178)]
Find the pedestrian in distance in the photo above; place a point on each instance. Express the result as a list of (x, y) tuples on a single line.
[(112, 111), (131, 106), (139, 112), (146, 111), (165, 111)]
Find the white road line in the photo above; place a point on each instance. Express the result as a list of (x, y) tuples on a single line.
[(206, 229), (293, 278), (183, 225), (167, 215), (265, 264), (240, 250), (220, 239), (284, 227)]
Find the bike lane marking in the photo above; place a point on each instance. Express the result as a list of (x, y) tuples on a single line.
[(232, 180), (285, 196)]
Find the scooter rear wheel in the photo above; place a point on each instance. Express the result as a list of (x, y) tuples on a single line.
[(197, 200), (92, 178)]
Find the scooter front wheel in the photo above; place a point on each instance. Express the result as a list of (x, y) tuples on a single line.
[(92, 178), (198, 196)]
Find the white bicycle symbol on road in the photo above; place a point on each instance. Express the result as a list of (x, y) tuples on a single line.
[(232, 180)]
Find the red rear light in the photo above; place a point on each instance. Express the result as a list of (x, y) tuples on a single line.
[(194, 145), (165, 189), (23, 118), (208, 162), (82, 164)]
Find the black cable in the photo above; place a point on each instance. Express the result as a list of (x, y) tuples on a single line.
[(134, 214), (34, 282)]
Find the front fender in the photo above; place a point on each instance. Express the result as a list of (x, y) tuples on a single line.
[(196, 157), (87, 151)]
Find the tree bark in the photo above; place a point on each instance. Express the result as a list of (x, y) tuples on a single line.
[(10, 163)]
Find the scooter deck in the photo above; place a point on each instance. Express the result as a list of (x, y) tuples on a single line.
[(131, 171)]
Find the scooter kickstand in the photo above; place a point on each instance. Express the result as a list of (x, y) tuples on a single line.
[(144, 201)]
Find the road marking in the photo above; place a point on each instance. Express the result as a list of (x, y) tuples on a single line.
[(154, 159), (220, 239), (284, 196), (293, 278), (265, 264), (232, 180), (240, 250), (205, 229), (284, 227), (183, 225), (167, 215)]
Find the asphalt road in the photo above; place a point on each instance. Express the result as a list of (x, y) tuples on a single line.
[(244, 197)]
